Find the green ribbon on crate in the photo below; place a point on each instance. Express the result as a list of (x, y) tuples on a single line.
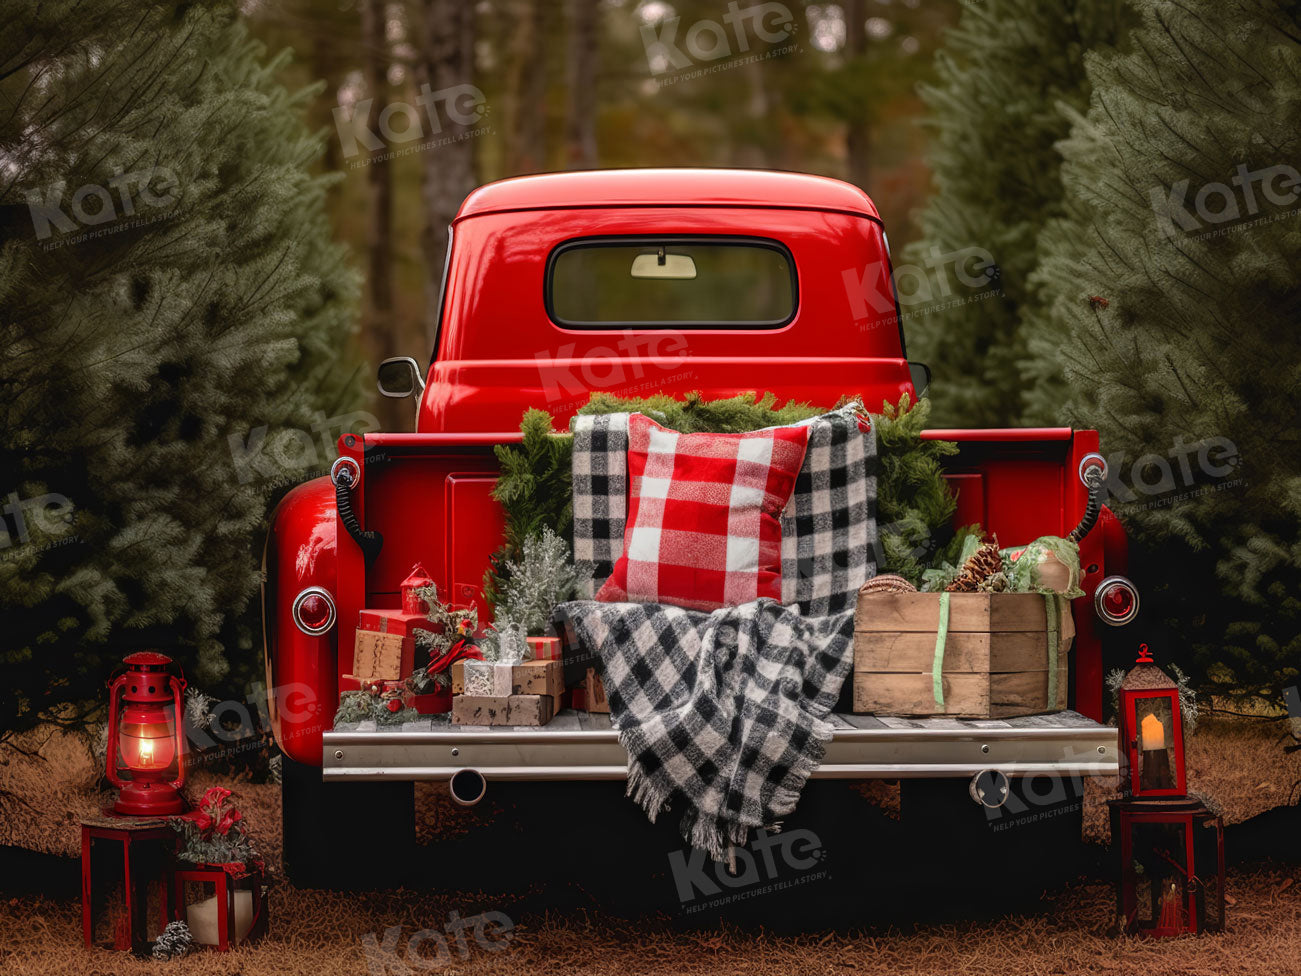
[(941, 636), (1054, 638), (1051, 614)]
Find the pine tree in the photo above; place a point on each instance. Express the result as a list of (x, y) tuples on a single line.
[(1003, 74), (1175, 300), (172, 311)]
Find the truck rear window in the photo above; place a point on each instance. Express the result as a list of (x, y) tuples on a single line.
[(677, 282)]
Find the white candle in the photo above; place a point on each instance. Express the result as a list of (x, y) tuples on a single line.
[(202, 918), (1152, 733)]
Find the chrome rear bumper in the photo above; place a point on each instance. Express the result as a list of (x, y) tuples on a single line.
[(576, 746)]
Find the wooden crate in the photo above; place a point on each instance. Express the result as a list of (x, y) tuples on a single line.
[(995, 655)]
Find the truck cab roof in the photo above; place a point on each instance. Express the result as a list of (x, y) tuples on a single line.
[(669, 187)]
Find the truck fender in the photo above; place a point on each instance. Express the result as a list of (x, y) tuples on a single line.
[(301, 670)]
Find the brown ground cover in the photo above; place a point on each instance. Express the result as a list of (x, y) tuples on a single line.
[(1239, 763)]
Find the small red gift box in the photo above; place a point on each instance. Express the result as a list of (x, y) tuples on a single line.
[(545, 648), (405, 622), (436, 702), (394, 622)]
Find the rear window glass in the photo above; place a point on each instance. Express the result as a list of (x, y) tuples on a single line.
[(671, 283)]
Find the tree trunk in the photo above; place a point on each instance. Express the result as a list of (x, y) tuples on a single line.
[(580, 114), (379, 231), (526, 86), (858, 129), (446, 61), (749, 148)]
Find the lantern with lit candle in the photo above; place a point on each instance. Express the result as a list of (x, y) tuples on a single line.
[(1172, 866), (1151, 730), (146, 761)]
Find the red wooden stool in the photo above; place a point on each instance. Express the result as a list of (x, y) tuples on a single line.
[(129, 833)]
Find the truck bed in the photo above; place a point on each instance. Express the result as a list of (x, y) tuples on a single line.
[(577, 745)]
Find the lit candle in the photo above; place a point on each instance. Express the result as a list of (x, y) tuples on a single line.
[(1152, 733)]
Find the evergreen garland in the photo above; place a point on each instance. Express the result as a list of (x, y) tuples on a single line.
[(535, 490), (693, 414), (915, 506), (361, 706)]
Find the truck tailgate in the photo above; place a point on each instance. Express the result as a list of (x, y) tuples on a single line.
[(580, 746)]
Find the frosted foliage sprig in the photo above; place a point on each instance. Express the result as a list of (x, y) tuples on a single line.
[(504, 641), (543, 577), (198, 709), (1187, 699)]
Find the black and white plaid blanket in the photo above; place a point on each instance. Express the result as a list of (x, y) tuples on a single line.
[(725, 710), (829, 533), (600, 487)]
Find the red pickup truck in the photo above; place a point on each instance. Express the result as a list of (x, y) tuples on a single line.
[(798, 299)]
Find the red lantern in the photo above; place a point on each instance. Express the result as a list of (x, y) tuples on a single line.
[(146, 756), (1151, 731), (1172, 866)]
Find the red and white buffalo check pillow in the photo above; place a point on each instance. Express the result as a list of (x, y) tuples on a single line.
[(703, 509)]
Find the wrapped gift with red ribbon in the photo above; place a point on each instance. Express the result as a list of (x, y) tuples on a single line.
[(544, 648), (385, 646), (438, 699)]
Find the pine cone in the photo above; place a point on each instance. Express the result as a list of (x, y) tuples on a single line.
[(966, 582), (984, 562)]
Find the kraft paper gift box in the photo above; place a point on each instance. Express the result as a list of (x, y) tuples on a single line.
[(502, 710), (482, 679), (537, 678), (378, 654)]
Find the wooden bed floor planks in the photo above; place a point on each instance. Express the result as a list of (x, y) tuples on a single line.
[(870, 722)]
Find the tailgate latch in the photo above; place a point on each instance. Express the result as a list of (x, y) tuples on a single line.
[(345, 473)]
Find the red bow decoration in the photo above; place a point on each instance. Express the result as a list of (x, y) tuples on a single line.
[(463, 648)]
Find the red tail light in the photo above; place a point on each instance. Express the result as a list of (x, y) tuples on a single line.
[(1116, 600), (314, 611)]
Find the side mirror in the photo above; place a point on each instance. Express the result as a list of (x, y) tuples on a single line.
[(920, 374), (399, 377)]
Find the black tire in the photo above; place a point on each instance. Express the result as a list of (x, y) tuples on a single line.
[(315, 814)]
